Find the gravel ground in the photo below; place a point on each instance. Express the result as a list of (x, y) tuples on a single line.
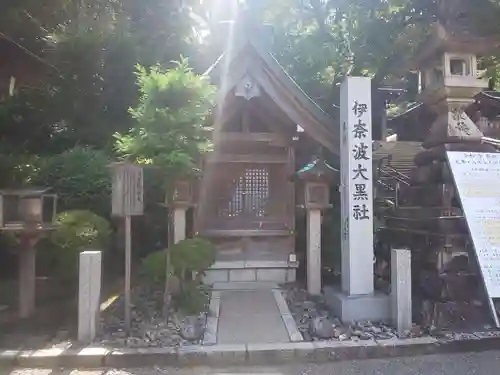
[(457, 364), (148, 329), (315, 321)]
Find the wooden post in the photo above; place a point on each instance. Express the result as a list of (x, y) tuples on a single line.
[(128, 264), (127, 201)]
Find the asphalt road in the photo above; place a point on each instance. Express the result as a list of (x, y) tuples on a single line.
[(486, 363)]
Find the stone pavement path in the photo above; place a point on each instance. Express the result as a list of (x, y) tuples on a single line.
[(456, 364), (250, 317)]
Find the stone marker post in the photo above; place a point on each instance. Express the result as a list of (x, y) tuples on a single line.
[(89, 294), (357, 299), (401, 304), (27, 281), (356, 186)]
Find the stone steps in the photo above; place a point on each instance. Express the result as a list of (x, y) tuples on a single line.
[(245, 286), (251, 271)]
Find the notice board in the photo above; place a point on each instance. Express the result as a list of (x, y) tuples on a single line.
[(477, 180)]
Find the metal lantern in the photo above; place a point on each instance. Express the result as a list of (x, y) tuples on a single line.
[(316, 178), (317, 194), (27, 208), (183, 192)]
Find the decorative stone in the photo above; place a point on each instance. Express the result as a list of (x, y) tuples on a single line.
[(192, 328), (149, 328), (339, 331), (322, 327)]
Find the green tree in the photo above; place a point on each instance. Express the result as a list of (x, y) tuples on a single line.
[(90, 49), (170, 129)]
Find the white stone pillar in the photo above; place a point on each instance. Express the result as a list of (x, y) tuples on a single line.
[(356, 186), (401, 304), (179, 223), (89, 295), (314, 251), (27, 281)]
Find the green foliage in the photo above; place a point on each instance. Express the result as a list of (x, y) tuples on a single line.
[(75, 231), (192, 255), (188, 256), (153, 267), (192, 300), (89, 50), (80, 177), (81, 229), (170, 117)]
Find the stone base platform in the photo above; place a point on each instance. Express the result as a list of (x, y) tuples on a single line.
[(248, 271), (375, 307)]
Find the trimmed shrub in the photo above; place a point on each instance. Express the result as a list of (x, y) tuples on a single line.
[(80, 177), (76, 231), (189, 256)]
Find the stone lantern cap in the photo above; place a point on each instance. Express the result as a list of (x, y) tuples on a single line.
[(449, 37)]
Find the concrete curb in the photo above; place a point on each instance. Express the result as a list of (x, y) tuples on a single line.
[(262, 354), (288, 320), (212, 324)]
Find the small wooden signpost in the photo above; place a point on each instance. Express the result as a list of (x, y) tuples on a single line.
[(127, 201)]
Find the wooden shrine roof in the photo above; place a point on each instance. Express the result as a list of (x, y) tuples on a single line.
[(251, 59), (21, 63)]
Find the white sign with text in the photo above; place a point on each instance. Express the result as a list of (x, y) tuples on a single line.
[(477, 179), (356, 186)]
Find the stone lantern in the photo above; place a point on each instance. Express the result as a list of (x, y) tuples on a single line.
[(27, 212), (314, 189), (183, 198), (450, 79), (449, 75)]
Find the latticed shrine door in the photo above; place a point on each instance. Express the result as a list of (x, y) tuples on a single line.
[(250, 196)]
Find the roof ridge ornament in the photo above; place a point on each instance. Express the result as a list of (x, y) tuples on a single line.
[(247, 88)]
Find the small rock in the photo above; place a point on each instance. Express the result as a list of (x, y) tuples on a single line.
[(344, 337), (339, 331), (321, 327), (191, 328)]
